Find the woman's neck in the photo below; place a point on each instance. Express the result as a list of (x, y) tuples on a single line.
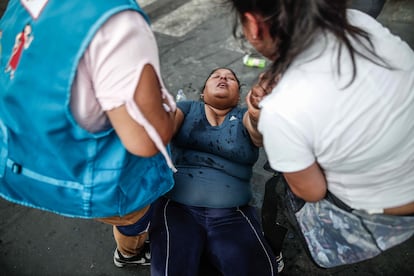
[(214, 115)]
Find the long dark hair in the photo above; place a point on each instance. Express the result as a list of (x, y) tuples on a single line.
[(295, 23)]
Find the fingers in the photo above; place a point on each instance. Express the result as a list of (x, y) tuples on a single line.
[(268, 82), (248, 100), (256, 95), (253, 106), (261, 89)]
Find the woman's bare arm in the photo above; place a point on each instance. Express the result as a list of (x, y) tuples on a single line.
[(178, 120), (250, 120), (308, 184), (148, 98)]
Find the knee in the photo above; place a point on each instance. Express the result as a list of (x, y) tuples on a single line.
[(138, 227)]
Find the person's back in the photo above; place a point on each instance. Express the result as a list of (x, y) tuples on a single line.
[(337, 124), (362, 134), (34, 111)]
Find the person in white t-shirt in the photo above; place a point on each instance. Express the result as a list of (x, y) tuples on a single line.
[(339, 123)]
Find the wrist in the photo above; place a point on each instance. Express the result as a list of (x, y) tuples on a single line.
[(251, 125), (254, 120)]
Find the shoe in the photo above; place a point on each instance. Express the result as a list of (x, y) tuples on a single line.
[(142, 258), (280, 263)]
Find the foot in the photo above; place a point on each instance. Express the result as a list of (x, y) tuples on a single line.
[(142, 258), (280, 263)]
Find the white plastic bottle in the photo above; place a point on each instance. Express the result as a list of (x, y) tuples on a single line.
[(180, 96)]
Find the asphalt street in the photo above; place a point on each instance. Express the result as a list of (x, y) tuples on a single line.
[(194, 36)]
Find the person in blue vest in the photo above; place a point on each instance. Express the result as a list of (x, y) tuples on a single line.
[(207, 216), (84, 115)]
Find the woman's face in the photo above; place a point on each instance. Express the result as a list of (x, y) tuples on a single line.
[(222, 89), (260, 40)]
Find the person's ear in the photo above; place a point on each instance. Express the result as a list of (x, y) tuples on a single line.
[(252, 25)]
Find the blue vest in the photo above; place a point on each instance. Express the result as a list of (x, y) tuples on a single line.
[(47, 160)]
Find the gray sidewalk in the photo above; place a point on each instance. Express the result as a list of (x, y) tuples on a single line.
[(33, 242)]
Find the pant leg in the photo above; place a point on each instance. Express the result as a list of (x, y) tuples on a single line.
[(129, 245), (236, 244), (273, 232), (177, 240)]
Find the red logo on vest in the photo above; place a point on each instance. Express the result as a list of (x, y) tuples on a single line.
[(22, 42)]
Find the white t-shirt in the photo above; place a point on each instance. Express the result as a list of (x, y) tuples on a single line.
[(361, 135), (109, 71)]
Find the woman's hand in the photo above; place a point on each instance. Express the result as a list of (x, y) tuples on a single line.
[(251, 117), (262, 88)]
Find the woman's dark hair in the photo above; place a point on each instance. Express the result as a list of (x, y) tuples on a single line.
[(295, 23)]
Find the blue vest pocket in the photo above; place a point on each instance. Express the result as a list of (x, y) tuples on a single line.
[(23, 186)]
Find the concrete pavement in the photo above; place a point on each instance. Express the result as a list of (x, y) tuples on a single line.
[(34, 242)]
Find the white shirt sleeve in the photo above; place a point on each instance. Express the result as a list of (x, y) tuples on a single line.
[(288, 147), (110, 69)]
